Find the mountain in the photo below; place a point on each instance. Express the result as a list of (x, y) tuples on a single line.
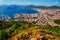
[(44, 7)]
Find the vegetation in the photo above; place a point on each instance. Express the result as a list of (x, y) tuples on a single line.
[(57, 21), (53, 29), (3, 34), (27, 31)]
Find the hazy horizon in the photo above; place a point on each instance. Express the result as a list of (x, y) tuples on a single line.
[(31, 2)]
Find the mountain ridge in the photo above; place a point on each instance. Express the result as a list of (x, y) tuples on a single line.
[(31, 6)]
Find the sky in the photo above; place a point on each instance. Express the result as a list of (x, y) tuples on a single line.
[(31, 2)]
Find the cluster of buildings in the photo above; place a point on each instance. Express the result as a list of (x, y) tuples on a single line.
[(41, 17)]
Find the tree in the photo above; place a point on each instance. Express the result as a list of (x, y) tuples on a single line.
[(57, 21), (3, 35)]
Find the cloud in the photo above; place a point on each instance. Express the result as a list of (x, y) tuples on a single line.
[(1, 1)]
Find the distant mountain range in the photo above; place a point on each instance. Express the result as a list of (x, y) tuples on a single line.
[(44, 7), (32, 6)]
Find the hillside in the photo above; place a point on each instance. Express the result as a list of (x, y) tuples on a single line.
[(27, 31)]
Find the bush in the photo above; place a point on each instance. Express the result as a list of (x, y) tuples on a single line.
[(11, 29), (57, 21), (53, 29), (3, 34)]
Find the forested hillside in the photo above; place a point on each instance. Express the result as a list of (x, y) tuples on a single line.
[(27, 31)]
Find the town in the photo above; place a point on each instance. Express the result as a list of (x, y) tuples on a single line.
[(44, 17)]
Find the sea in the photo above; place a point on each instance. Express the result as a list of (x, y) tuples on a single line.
[(10, 10)]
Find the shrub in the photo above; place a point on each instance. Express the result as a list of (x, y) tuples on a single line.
[(57, 21), (3, 34), (11, 29)]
